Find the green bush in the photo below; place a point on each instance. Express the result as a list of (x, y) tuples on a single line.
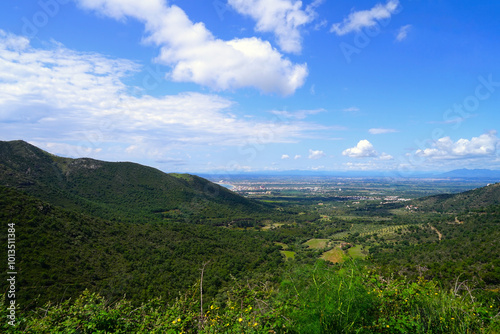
[(319, 298)]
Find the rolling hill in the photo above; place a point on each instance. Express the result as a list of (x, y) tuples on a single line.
[(118, 190), (456, 203), (121, 228)]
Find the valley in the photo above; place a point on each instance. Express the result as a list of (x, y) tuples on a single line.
[(273, 254)]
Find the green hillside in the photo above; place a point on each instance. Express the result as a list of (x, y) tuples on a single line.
[(472, 199), (59, 253), (119, 190)]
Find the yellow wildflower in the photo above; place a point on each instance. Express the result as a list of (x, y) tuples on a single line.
[(240, 319)]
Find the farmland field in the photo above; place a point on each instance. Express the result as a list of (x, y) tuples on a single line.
[(335, 255), (317, 243), (356, 252)]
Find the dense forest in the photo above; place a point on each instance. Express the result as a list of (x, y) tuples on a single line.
[(106, 247)]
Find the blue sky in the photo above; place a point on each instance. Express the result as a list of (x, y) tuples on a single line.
[(255, 85)]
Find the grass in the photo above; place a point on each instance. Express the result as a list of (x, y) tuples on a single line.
[(335, 255), (317, 243), (272, 225), (289, 255), (283, 245), (356, 252)]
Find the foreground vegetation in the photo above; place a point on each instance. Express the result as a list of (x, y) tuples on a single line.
[(319, 298)]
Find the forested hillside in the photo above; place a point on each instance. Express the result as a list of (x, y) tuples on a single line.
[(457, 203), (119, 190), (60, 253)]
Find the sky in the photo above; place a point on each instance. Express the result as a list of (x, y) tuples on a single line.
[(232, 86)]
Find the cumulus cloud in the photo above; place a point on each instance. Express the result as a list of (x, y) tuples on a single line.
[(316, 154), (56, 95), (486, 145), (365, 18), (285, 156), (297, 156), (195, 55), (363, 149), (403, 33), (283, 18), (379, 131)]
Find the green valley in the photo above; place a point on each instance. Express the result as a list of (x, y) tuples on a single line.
[(116, 247)]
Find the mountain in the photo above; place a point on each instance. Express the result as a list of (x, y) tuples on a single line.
[(473, 174), (118, 190), (472, 199), (122, 228)]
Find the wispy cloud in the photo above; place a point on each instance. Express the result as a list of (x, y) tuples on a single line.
[(385, 156), (316, 154), (300, 114), (403, 33), (379, 131), (365, 18), (351, 109)]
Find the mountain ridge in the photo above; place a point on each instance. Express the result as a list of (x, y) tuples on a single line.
[(106, 188), (472, 199)]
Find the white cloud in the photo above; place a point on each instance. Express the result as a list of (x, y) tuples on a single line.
[(360, 166), (301, 114), (351, 109), (363, 149), (195, 55), (78, 100), (385, 156), (64, 149), (297, 156), (365, 18), (379, 131), (283, 18), (285, 156), (484, 146), (403, 33), (316, 154)]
